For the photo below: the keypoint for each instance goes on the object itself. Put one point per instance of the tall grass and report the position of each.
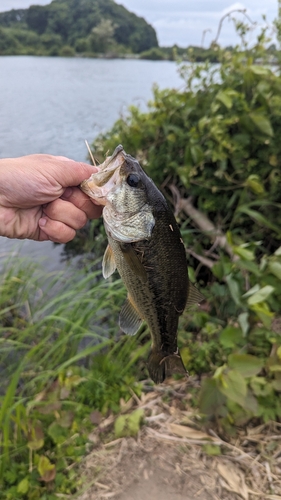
(49, 325)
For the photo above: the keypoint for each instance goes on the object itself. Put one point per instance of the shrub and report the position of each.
(154, 54)
(67, 51)
(215, 147)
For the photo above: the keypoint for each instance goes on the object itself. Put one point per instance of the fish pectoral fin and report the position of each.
(129, 318)
(108, 263)
(194, 296)
(133, 261)
(161, 366)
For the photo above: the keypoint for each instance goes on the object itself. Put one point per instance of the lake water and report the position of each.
(51, 105)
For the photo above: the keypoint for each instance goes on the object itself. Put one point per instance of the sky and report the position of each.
(183, 22)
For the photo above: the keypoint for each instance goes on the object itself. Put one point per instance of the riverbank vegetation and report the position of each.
(91, 28)
(70, 380)
(69, 27)
(62, 370)
(214, 148)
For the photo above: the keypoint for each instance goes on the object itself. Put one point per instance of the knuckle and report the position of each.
(51, 209)
(59, 232)
(82, 220)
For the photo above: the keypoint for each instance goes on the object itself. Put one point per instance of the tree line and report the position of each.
(66, 27)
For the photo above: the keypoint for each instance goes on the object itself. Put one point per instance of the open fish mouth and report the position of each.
(100, 183)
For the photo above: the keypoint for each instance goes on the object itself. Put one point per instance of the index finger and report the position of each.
(82, 201)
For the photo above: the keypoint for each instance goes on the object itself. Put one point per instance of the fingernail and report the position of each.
(42, 222)
(67, 193)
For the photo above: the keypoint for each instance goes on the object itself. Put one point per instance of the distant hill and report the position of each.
(83, 26)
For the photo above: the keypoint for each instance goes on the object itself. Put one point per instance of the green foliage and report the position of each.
(8, 42)
(154, 54)
(59, 361)
(101, 37)
(67, 51)
(88, 26)
(128, 425)
(217, 140)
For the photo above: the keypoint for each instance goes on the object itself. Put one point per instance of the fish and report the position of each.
(146, 247)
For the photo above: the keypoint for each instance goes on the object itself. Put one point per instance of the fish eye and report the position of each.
(133, 180)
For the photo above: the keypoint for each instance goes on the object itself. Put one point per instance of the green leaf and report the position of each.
(35, 436)
(128, 425)
(275, 368)
(234, 289)
(276, 384)
(243, 320)
(212, 449)
(233, 386)
(46, 469)
(248, 266)
(261, 295)
(252, 290)
(197, 154)
(275, 268)
(246, 364)
(211, 400)
(263, 312)
(262, 123)
(254, 183)
(23, 486)
(244, 253)
(261, 386)
(218, 270)
(58, 433)
(259, 70)
(224, 98)
(231, 336)
(259, 218)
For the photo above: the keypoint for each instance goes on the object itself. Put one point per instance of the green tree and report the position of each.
(60, 20)
(37, 18)
(51, 44)
(8, 42)
(101, 37)
(75, 19)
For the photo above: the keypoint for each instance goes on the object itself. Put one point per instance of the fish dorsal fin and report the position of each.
(108, 263)
(194, 296)
(133, 261)
(129, 318)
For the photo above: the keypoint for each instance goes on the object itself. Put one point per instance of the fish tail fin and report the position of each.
(160, 365)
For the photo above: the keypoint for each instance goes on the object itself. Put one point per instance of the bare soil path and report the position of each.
(170, 458)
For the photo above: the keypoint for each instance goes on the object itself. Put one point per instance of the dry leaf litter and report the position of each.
(169, 455)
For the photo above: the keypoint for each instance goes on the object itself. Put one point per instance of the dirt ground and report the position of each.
(168, 459)
(148, 470)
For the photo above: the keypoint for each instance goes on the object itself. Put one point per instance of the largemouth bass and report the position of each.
(145, 245)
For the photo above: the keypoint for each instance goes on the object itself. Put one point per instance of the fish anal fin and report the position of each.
(194, 295)
(108, 263)
(161, 366)
(133, 261)
(129, 318)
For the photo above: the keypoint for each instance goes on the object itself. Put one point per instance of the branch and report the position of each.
(242, 11)
(206, 262)
(201, 220)
(203, 36)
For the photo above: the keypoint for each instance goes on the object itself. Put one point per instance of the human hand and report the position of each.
(39, 199)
